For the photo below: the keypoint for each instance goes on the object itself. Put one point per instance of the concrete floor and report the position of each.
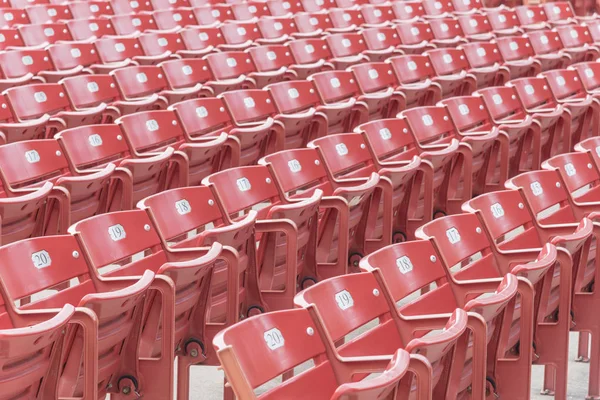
(207, 381)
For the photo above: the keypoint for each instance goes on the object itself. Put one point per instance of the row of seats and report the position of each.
(148, 150)
(314, 211)
(535, 240)
(39, 12)
(270, 29)
(308, 220)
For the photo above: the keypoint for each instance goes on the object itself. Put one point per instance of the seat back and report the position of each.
(90, 9)
(545, 42)
(250, 105)
(229, 64)
(212, 14)
(239, 32)
(276, 27)
(468, 113)
(503, 19)
(202, 117)
(475, 24)
(90, 90)
(93, 145)
(389, 139)
(374, 77)
(438, 8)
(430, 125)
(448, 61)
(17, 63)
(150, 130)
(176, 18)
(250, 10)
(271, 58)
(12, 38)
(157, 44)
(83, 29)
(139, 81)
(482, 54)
(559, 11)
(551, 205)
(186, 72)
(564, 83)
(37, 35)
(446, 28)
(116, 49)
(515, 48)
(531, 14)
(503, 103)
(346, 44)
(313, 22)
(128, 24)
(414, 32)
(408, 10)
(294, 96)
(377, 14)
(35, 100)
(26, 163)
(507, 218)
(412, 68)
(578, 173)
(574, 36)
(41, 13)
(10, 17)
(309, 51)
(335, 86)
(534, 92)
(65, 56)
(201, 38)
(589, 73)
(345, 18)
(381, 38)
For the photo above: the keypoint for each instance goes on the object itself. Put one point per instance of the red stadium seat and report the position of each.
(330, 378)
(532, 17)
(408, 267)
(585, 111)
(512, 208)
(140, 82)
(86, 29)
(300, 111)
(347, 49)
(549, 49)
(507, 112)
(310, 56)
(504, 22)
(74, 281)
(230, 71)
(174, 326)
(578, 43)
(343, 231)
(555, 120)
(415, 37)
(382, 43)
(485, 62)
(452, 70)
(519, 56)
(338, 92)
(416, 77)
(91, 91)
(286, 231)
(398, 179)
(363, 299)
(447, 32)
